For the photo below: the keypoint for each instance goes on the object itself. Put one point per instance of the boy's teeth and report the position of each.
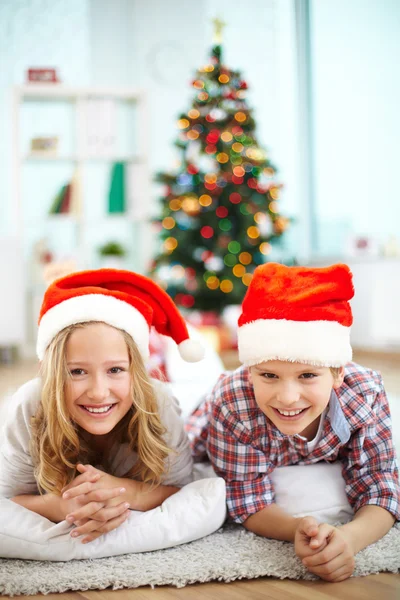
(290, 413)
(99, 410)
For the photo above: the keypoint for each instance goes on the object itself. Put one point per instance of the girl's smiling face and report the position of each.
(98, 391)
(293, 395)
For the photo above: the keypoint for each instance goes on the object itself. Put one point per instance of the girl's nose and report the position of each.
(98, 390)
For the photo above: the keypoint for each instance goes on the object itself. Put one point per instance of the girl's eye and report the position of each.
(269, 375)
(308, 375)
(77, 372)
(115, 370)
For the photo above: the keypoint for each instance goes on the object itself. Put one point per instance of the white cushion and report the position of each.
(197, 510)
(313, 490)
(305, 490)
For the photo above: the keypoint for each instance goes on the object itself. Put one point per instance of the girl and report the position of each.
(94, 436)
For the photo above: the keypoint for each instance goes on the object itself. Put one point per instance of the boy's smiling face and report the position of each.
(293, 395)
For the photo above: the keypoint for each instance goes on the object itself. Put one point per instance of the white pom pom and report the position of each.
(191, 351)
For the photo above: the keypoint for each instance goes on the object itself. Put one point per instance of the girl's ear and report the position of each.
(338, 380)
(250, 376)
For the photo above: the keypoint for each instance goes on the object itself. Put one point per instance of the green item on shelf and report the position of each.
(116, 196)
(55, 207)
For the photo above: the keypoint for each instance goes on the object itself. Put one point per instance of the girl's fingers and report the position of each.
(102, 495)
(87, 476)
(84, 512)
(107, 513)
(106, 527)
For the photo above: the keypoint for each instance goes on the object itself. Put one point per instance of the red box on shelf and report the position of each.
(43, 75)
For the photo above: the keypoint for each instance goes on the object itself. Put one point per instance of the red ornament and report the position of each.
(187, 300)
(237, 180)
(211, 149)
(243, 85)
(192, 170)
(252, 183)
(206, 255)
(236, 130)
(221, 212)
(207, 232)
(235, 198)
(210, 186)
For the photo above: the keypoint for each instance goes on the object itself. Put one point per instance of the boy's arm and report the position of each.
(370, 470)
(369, 525)
(273, 522)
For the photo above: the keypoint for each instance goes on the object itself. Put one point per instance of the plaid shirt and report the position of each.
(244, 446)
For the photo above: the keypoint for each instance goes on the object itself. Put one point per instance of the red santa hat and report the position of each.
(122, 299)
(297, 314)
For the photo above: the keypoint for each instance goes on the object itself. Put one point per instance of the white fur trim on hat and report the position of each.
(191, 350)
(320, 343)
(93, 307)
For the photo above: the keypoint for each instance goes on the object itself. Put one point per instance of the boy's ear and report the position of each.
(338, 379)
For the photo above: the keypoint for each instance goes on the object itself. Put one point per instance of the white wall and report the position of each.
(356, 58)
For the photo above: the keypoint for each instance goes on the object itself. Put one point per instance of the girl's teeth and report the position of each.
(98, 410)
(290, 413)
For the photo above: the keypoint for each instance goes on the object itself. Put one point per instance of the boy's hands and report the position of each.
(324, 550)
(92, 501)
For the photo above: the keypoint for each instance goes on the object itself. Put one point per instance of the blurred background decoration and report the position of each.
(89, 102)
(220, 215)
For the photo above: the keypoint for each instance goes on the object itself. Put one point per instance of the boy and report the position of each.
(298, 400)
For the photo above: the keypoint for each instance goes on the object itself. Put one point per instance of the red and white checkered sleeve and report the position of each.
(244, 468)
(370, 469)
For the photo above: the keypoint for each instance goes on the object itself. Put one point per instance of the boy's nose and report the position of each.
(288, 396)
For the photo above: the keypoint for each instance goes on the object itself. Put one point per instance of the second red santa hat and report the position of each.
(297, 314)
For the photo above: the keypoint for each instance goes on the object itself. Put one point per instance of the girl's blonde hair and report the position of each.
(57, 442)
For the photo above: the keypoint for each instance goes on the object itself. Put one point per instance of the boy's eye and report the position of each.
(308, 375)
(269, 375)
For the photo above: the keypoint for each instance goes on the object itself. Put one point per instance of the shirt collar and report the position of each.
(338, 420)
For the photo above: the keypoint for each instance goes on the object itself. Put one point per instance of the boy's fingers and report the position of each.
(329, 553)
(309, 526)
(319, 540)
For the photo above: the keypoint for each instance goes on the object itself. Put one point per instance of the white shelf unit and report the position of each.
(46, 110)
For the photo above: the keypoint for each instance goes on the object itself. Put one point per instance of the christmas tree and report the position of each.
(220, 214)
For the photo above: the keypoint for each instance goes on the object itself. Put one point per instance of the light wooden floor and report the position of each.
(384, 586)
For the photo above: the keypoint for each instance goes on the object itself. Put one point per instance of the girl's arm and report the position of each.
(16, 465)
(140, 496)
(57, 508)
(49, 506)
